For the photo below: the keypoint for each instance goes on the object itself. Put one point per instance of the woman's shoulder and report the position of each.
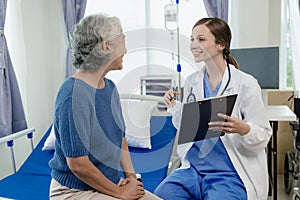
(74, 89)
(64, 95)
(66, 87)
(69, 82)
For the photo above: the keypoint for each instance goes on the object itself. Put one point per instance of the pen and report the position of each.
(175, 89)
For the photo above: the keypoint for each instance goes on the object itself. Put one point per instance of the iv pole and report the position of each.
(178, 53)
(171, 16)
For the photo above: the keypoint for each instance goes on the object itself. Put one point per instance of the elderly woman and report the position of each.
(90, 145)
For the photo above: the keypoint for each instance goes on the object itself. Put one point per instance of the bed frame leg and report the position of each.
(10, 144)
(29, 136)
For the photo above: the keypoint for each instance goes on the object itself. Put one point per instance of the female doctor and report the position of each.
(233, 166)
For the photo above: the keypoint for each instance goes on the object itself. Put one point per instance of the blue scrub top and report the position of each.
(210, 156)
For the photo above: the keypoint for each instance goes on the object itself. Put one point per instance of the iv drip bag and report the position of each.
(171, 18)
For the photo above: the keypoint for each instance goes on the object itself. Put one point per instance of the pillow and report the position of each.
(49, 143)
(137, 115)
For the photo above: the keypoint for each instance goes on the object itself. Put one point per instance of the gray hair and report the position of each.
(87, 40)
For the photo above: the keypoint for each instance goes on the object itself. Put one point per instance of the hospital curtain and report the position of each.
(12, 116)
(294, 17)
(73, 12)
(217, 8)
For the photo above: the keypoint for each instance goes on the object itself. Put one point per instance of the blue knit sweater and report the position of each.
(87, 121)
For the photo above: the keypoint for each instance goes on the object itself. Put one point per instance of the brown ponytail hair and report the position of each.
(221, 31)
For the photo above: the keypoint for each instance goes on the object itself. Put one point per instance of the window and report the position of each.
(290, 44)
(288, 61)
(144, 21)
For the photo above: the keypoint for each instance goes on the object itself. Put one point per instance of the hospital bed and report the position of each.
(32, 180)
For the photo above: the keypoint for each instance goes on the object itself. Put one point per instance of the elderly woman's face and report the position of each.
(119, 50)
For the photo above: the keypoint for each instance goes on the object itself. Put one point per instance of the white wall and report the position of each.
(256, 23)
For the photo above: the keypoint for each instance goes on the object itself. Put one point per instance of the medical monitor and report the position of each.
(260, 62)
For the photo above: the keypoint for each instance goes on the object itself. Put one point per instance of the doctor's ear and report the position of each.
(221, 46)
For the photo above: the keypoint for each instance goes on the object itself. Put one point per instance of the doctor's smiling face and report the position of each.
(203, 44)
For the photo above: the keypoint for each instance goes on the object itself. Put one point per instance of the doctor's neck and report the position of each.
(215, 68)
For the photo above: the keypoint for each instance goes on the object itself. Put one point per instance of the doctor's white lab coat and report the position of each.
(247, 152)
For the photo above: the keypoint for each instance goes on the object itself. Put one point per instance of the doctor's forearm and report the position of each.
(257, 139)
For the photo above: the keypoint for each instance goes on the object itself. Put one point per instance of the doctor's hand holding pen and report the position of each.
(170, 97)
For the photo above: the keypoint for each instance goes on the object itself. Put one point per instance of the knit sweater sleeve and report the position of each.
(73, 127)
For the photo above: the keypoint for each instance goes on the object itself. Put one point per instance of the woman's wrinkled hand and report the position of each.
(131, 189)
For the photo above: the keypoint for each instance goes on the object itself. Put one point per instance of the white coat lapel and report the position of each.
(198, 84)
(225, 79)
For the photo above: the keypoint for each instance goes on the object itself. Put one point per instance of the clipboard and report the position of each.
(196, 116)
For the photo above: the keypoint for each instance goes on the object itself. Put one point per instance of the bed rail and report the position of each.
(142, 97)
(9, 140)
